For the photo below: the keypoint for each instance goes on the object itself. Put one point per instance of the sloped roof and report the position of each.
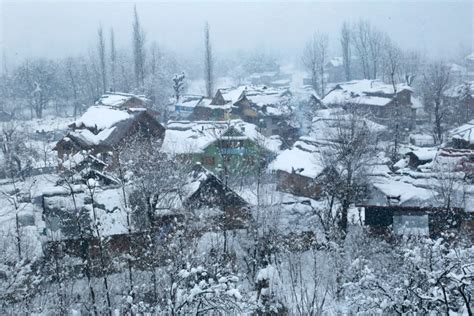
(371, 92)
(104, 126)
(464, 132)
(184, 137)
(188, 100)
(325, 124)
(303, 158)
(198, 179)
(406, 194)
(117, 99)
(458, 90)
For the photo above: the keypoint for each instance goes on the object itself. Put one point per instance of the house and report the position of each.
(103, 130)
(299, 169)
(215, 109)
(268, 78)
(184, 107)
(269, 108)
(231, 146)
(460, 99)
(124, 100)
(375, 98)
(421, 139)
(408, 209)
(206, 201)
(462, 137)
(335, 69)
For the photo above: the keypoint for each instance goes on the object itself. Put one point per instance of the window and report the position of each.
(207, 160)
(250, 160)
(410, 224)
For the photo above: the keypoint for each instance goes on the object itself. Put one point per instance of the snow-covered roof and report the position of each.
(267, 100)
(177, 198)
(189, 100)
(184, 137)
(424, 154)
(371, 92)
(406, 194)
(336, 61)
(303, 158)
(100, 118)
(117, 99)
(464, 132)
(102, 125)
(326, 122)
(460, 90)
(264, 74)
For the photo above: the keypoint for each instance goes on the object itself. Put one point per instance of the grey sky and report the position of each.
(61, 28)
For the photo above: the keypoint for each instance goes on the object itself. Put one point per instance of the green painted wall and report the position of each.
(239, 161)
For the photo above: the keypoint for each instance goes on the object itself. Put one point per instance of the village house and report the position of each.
(184, 107)
(203, 203)
(335, 69)
(103, 130)
(269, 108)
(460, 99)
(376, 98)
(124, 100)
(269, 78)
(462, 137)
(231, 146)
(301, 170)
(206, 201)
(215, 109)
(408, 209)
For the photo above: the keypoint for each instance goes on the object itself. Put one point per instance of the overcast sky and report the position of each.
(60, 28)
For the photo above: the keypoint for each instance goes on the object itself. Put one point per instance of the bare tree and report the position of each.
(368, 42)
(436, 80)
(72, 74)
(346, 49)
(314, 59)
(376, 41)
(392, 63)
(352, 144)
(178, 85)
(139, 53)
(101, 51)
(410, 67)
(92, 186)
(36, 80)
(361, 44)
(208, 62)
(113, 60)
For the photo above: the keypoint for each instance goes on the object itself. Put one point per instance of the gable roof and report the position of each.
(303, 158)
(201, 188)
(218, 99)
(105, 126)
(185, 137)
(118, 99)
(370, 92)
(464, 132)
